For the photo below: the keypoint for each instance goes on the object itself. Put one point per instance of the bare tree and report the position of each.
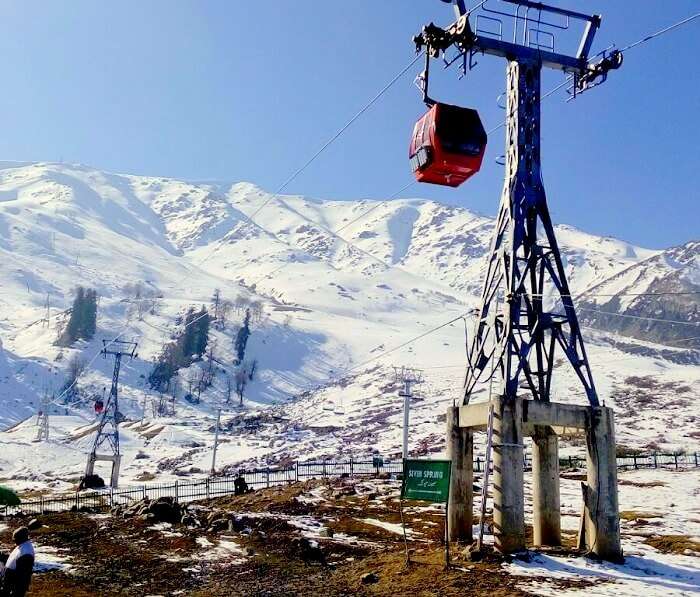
(241, 380)
(256, 311)
(228, 388)
(224, 311)
(76, 366)
(241, 304)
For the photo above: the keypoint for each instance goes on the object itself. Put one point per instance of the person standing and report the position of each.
(19, 565)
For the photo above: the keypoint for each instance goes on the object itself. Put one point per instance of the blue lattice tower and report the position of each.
(106, 444)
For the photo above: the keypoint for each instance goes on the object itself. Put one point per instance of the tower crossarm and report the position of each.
(465, 35)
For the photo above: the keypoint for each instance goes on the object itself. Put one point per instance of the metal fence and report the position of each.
(189, 490)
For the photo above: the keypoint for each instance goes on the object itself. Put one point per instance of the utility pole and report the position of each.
(216, 441)
(47, 320)
(108, 429)
(406, 377)
(42, 434)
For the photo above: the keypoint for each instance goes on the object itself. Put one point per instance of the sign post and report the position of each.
(428, 481)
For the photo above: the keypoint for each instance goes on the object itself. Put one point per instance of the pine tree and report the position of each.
(187, 340)
(242, 337)
(83, 317)
(202, 331)
(88, 323)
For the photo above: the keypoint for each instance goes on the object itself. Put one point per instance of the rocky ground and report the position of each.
(340, 537)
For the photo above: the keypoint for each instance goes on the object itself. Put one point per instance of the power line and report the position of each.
(384, 353)
(672, 321)
(376, 206)
(585, 294)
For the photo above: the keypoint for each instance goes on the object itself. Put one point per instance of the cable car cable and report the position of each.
(345, 127)
(660, 32)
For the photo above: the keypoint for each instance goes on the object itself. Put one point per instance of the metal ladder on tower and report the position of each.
(485, 480)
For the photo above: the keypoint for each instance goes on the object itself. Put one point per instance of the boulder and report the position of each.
(369, 578)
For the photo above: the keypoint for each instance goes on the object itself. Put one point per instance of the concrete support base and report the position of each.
(514, 417)
(460, 449)
(116, 464)
(545, 487)
(508, 465)
(602, 510)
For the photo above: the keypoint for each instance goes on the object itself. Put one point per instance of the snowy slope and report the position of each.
(332, 302)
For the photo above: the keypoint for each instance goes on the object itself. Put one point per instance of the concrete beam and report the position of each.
(460, 450)
(534, 412)
(474, 416)
(529, 430)
(554, 414)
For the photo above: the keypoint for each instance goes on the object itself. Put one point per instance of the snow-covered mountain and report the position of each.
(667, 312)
(341, 282)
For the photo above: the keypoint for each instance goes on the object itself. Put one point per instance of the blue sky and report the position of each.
(248, 90)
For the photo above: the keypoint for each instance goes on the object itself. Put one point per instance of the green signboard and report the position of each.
(427, 480)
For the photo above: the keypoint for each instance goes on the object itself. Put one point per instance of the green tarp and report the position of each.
(8, 497)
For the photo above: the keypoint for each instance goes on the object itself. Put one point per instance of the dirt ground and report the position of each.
(313, 538)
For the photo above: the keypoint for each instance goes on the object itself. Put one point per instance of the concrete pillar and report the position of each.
(602, 511)
(545, 487)
(508, 494)
(116, 464)
(460, 449)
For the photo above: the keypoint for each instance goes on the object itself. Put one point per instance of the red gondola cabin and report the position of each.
(448, 145)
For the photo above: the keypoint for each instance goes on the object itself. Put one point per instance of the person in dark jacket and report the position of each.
(239, 485)
(19, 566)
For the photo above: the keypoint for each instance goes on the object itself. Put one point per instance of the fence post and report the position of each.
(177, 496)
(207, 485)
(324, 469)
(675, 458)
(696, 458)
(296, 471)
(634, 459)
(267, 476)
(352, 470)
